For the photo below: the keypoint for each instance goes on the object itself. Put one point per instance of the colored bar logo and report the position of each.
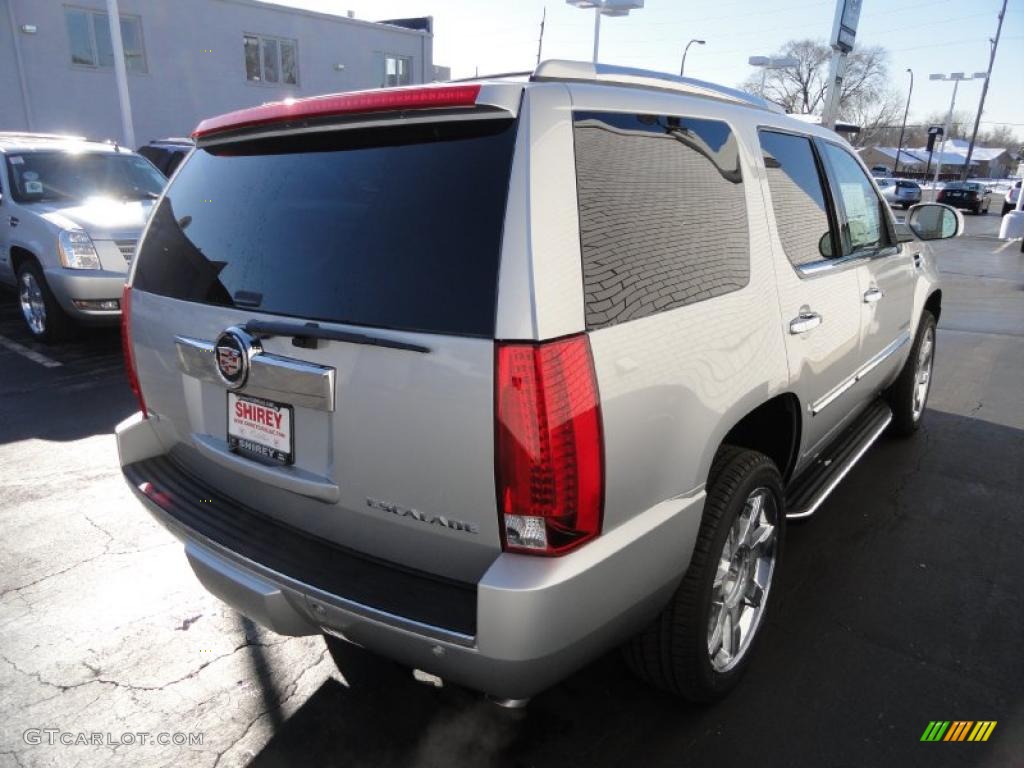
(958, 730)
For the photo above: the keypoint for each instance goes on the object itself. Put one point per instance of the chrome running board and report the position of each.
(808, 491)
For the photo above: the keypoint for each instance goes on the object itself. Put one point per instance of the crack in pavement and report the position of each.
(266, 711)
(62, 688)
(106, 551)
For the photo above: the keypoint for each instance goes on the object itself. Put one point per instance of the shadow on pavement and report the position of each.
(898, 603)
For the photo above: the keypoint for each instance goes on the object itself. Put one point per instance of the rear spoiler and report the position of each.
(296, 113)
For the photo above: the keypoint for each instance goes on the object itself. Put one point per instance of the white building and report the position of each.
(189, 59)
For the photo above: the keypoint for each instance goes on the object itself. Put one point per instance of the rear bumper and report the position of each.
(534, 620)
(69, 285)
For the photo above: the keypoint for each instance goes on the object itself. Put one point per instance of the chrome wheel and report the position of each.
(739, 592)
(923, 373)
(30, 294)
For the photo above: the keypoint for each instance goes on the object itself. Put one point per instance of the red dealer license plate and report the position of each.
(260, 428)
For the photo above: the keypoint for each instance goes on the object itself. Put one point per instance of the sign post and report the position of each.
(844, 33)
(933, 133)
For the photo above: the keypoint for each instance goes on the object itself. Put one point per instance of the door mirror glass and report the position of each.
(934, 221)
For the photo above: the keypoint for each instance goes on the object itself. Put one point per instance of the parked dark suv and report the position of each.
(167, 154)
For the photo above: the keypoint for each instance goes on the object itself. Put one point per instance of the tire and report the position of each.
(673, 652)
(1006, 208)
(42, 313)
(904, 395)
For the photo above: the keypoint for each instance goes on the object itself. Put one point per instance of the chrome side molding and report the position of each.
(274, 377)
(819, 405)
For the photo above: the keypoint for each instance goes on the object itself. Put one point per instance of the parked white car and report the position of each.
(902, 192)
(1010, 200)
(491, 377)
(71, 213)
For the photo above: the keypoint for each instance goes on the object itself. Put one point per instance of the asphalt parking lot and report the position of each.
(900, 601)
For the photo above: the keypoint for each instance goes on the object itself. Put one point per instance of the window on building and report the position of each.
(662, 213)
(801, 213)
(397, 70)
(270, 60)
(89, 35)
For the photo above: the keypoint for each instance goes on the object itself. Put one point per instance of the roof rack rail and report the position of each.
(35, 135)
(561, 69)
(496, 76)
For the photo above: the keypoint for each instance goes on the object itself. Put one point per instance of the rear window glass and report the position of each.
(662, 212)
(396, 228)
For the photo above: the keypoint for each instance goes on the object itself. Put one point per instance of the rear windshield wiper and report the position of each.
(305, 335)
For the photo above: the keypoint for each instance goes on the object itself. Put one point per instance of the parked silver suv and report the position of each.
(71, 212)
(490, 377)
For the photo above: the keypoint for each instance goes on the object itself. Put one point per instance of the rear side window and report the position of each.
(395, 228)
(663, 218)
(798, 197)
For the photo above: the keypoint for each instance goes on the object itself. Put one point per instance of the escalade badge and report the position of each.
(415, 514)
(232, 351)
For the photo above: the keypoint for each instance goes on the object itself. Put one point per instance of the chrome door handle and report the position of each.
(871, 295)
(804, 322)
(918, 260)
(13, 221)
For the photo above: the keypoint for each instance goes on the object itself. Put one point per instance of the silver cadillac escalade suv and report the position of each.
(490, 377)
(71, 211)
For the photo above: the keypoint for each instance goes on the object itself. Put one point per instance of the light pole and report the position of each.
(994, 45)
(767, 62)
(956, 77)
(682, 66)
(605, 8)
(899, 147)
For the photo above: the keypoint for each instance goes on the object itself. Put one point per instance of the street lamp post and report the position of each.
(957, 78)
(605, 8)
(899, 146)
(682, 65)
(767, 62)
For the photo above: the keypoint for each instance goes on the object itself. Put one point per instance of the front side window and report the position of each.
(89, 37)
(397, 71)
(270, 60)
(798, 197)
(662, 213)
(864, 228)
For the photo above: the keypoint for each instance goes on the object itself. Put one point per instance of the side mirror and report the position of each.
(935, 221)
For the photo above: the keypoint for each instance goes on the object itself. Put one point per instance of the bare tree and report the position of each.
(866, 98)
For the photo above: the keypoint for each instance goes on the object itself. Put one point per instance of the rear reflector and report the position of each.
(549, 446)
(389, 100)
(126, 347)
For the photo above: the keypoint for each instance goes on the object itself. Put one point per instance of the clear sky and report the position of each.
(927, 35)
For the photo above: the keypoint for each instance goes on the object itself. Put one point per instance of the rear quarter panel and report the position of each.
(674, 383)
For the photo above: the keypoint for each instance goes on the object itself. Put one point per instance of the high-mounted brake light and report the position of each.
(388, 100)
(126, 348)
(549, 446)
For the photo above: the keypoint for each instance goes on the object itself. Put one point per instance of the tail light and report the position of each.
(126, 347)
(549, 446)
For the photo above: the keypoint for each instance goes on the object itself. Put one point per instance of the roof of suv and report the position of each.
(31, 142)
(455, 95)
